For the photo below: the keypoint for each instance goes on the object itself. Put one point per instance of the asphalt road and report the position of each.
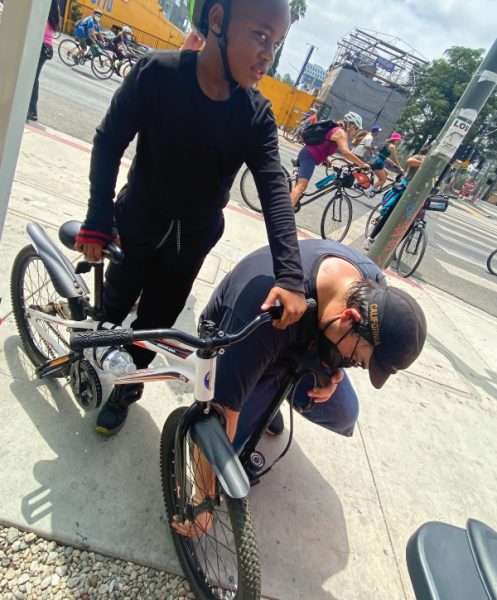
(73, 101)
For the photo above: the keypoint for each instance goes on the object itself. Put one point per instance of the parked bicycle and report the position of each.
(492, 263)
(294, 134)
(337, 214)
(60, 329)
(410, 252)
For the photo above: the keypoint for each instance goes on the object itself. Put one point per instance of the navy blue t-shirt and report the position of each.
(238, 299)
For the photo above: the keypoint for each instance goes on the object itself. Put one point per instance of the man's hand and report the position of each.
(326, 386)
(294, 305)
(193, 41)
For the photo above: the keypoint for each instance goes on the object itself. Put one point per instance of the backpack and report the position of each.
(315, 133)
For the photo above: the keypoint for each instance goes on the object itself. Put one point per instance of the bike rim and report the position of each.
(411, 253)
(213, 556)
(336, 219)
(38, 292)
(492, 263)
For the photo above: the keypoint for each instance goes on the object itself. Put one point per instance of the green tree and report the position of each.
(435, 91)
(287, 79)
(298, 9)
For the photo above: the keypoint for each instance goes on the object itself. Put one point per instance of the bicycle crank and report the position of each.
(85, 384)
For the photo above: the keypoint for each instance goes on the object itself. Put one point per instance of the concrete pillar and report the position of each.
(21, 35)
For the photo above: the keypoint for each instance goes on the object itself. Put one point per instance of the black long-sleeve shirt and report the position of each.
(189, 151)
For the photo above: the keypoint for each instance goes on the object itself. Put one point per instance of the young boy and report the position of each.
(169, 214)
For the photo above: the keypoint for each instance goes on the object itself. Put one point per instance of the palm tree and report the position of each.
(297, 11)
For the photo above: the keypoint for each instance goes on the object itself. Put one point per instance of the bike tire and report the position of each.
(31, 282)
(411, 251)
(126, 67)
(336, 218)
(238, 549)
(249, 192)
(373, 218)
(102, 65)
(492, 263)
(66, 51)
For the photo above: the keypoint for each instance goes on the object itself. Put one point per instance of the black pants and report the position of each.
(33, 103)
(161, 265)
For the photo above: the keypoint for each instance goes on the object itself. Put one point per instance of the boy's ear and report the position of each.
(351, 314)
(216, 15)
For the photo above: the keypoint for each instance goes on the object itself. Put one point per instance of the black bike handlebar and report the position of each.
(119, 337)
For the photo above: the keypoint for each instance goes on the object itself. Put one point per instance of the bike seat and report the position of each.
(295, 162)
(70, 229)
(451, 563)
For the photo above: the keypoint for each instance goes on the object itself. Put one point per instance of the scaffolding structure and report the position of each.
(378, 56)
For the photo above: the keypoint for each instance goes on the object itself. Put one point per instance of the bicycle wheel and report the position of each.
(126, 67)
(249, 192)
(411, 251)
(374, 217)
(102, 65)
(336, 219)
(492, 263)
(31, 286)
(224, 562)
(67, 49)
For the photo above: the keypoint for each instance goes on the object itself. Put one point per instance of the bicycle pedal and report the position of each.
(56, 367)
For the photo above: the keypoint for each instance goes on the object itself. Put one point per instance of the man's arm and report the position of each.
(340, 138)
(264, 162)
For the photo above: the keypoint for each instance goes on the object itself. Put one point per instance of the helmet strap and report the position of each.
(222, 42)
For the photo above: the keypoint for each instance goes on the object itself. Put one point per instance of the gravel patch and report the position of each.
(33, 568)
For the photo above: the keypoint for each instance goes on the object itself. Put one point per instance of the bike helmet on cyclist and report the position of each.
(126, 30)
(354, 119)
(97, 13)
(198, 12)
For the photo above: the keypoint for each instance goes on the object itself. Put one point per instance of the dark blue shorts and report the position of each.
(377, 165)
(307, 164)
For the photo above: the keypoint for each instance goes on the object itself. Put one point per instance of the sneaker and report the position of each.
(277, 425)
(32, 117)
(368, 242)
(370, 192)
(114, 412)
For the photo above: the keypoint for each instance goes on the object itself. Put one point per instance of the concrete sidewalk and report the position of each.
(334, 517)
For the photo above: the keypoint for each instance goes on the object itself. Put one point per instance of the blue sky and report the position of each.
(428, 26)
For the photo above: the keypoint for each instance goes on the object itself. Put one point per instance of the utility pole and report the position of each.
(21, 34)
(445, 146)
(306, 62)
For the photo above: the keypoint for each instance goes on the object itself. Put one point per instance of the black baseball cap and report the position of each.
(398, 332)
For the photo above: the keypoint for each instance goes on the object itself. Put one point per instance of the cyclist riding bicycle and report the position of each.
(360, 322)
(87, 32)
(169, 215)
(119, 44)
(336, 139)
(310, 117)
(387, 154)
(393, 195)
(365, 146)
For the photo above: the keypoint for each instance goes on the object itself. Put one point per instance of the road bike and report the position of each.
(294, 134)
(410, 252)
(337, 214)
(69, 48)
(492, 263)
(105, 65)
(60, 328)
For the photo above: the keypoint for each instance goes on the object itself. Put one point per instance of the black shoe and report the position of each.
(32, 117)
(277, 425)
(114, 412)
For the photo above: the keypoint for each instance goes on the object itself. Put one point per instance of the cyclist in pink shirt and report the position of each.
(336, 139)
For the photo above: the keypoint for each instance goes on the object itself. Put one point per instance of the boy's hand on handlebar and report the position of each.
(294, 305)
(91, 252)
